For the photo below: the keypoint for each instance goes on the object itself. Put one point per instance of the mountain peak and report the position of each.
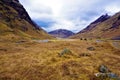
(104, 27)
(96, 22)
(61, 33)
(101, 18)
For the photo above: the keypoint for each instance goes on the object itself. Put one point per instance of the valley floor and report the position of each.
(42, 60)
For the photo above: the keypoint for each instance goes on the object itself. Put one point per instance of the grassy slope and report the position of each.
(103, 30)
(21, 28)
(40, 61)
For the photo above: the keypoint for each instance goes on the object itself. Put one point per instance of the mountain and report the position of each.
(61, 33)
(15, 23)
(95, 23)
(104, 27)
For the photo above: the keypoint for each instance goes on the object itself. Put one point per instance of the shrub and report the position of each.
(84, 55)
(64, 52)
(85, 39)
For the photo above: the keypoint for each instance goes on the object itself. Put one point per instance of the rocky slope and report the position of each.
(61, 33)
(104, 27)
(15, 22)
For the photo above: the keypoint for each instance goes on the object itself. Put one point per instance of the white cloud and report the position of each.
(112, 10)
(73, 15)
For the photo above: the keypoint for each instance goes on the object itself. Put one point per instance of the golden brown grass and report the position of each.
(14, 25)
(40, 61)
(107, 29)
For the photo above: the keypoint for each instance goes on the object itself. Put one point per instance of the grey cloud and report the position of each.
(69, 14)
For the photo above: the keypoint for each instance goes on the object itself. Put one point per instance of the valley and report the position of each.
(28, 52)
(32, 60)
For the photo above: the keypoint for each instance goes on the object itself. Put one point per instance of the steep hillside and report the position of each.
(15, 22)
(61, 33)
(104, 27)
(95, 23)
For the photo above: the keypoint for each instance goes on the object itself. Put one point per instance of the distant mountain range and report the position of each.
(104, 27)
(15, 23)
(61, 33)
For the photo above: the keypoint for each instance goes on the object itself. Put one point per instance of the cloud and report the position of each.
(73, 15)
(112, 8)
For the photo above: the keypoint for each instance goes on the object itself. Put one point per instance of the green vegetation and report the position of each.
(65, 52)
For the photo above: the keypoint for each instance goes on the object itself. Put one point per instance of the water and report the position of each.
(42, 41)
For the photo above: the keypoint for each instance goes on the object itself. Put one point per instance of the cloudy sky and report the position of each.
(73, 15)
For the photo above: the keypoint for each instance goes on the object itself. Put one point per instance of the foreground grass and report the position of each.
(41, 61)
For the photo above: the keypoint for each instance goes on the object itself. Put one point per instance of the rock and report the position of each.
(103, 69)
(105, 76)
(91, 48)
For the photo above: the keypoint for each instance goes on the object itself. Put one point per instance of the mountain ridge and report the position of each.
(95, 23)
(15, 22)
(107, 29)
(61, 33)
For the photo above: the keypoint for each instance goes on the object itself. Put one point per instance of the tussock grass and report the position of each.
(40, 61)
